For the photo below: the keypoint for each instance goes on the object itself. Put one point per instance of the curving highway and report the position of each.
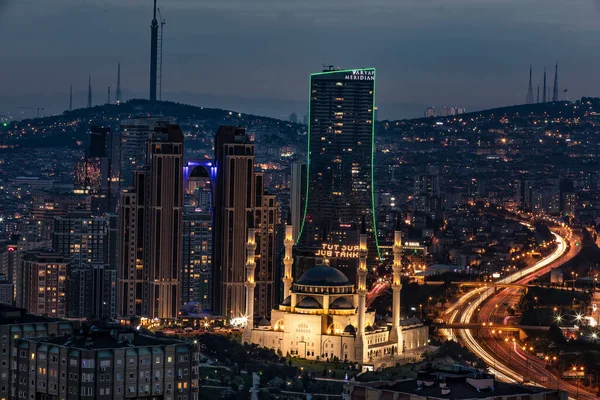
(504, 357)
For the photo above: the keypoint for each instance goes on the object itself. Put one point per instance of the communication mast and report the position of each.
(160, 53)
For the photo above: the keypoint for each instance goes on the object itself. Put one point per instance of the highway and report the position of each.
(505, 358)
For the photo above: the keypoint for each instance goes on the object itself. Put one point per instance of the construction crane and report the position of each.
(37, 109)
(160, 53)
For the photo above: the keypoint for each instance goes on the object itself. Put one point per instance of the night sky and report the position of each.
(256, 55)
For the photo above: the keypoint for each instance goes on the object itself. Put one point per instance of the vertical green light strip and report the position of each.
(307, 160)
(373, 166)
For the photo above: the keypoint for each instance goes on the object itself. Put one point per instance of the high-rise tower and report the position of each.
(151, 231)
(241, 202)
(153, 54)
(233, 203)
(89, 102)
(529, 99)
(118, 92)
(555, 91)
(339, 171)
(544, 94)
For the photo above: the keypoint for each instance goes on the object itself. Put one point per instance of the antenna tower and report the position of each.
(529, 99)
(118, 93)
(108, 95)
(544, 96)
(89, 103)
(160, 54)
(555, 92)
(153, 54)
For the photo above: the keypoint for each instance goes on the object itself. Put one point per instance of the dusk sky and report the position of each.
(256, 55)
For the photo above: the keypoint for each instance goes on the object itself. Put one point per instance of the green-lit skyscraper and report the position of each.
(340, 170)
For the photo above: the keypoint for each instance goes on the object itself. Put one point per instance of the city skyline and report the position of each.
(404, 41)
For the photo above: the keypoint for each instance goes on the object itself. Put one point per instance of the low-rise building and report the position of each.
(16, 324)
(111, 362)
(449, 385)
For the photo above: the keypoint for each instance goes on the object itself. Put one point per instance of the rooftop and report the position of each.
(10, 315)
(462, 386)
(111, 336)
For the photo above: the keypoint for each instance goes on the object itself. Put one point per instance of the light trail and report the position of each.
(476, 297)
(525, 361)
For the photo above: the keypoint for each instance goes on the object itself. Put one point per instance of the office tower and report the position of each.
(445, 112)
(233, 208)
(106, 362)
(135, 134)
(430, 112)
(266, 218)
(90, 242)
(150, 230)
(297, 196)
(42, 283)
(94, 172)
(241, 201)
(340, 166)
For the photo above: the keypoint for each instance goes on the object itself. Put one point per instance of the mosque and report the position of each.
(324, 315)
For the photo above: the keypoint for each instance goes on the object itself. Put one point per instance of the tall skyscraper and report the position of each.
(240, 202)
(340, 170)
(233, 208)
(42, 283)
(135, 134)
(94, 173)
(150, 230)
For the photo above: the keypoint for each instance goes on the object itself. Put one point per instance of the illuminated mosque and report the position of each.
(324, 315)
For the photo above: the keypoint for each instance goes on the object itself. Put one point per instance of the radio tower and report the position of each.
(108, 95)
(118, 93)
(544, 97)
(555, 92)
(71, 98)
(153, 55)
(89, 103)
(529, 99)
(160, 54)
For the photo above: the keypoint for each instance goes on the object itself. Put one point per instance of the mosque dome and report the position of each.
(323, 275)
(350, 329)
(309, 302)
(287, 301)
(341, 303)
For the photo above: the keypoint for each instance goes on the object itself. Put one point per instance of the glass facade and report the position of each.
(340, 165)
